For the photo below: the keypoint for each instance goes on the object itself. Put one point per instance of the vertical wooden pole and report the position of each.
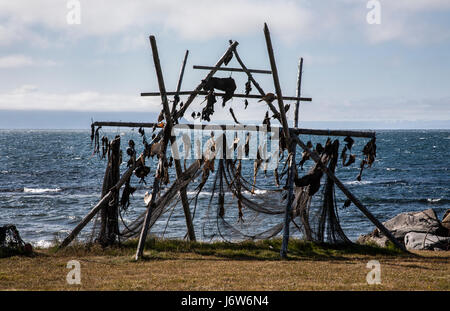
(148, 215)
(113, 208)
(167, 136)
(180, 80)
(291, 146)
(169, 125)
(299, 88)
(109, 213)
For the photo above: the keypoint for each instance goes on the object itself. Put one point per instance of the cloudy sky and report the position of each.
(395, 71)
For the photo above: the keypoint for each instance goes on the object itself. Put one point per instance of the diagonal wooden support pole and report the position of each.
(256, 84)
(349, 195)
(209, 75)
(103, 202)
(291, 147)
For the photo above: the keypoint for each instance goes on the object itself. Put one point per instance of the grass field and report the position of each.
(178, 265)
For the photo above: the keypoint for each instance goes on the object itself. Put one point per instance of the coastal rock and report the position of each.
(424, 241)
(423, 222)
(373, 238)
(446, 220)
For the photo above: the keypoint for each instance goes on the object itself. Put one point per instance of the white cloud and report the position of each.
(409, 22)
(18, 60)
(29, 97)
(37, 21)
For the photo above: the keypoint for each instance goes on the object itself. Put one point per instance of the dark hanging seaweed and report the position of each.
(248, 86)
(370, 152)
(234, 117)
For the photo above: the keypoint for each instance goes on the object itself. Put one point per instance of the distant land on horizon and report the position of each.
(41, 119)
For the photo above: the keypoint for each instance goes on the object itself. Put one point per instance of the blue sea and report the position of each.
(50, 179)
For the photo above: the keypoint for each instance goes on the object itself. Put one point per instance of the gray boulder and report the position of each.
(424, 241)
(423, 222)
(446, 220)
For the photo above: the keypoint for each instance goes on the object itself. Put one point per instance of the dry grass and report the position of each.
(176, 265)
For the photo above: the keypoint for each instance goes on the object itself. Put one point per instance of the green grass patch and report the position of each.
(156, 248)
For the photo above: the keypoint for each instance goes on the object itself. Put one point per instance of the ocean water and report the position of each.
(50, 179)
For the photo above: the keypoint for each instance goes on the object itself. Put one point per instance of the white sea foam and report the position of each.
(40, 190)
(434, 200)
(355, 182)
(257, 191)
(42, 244)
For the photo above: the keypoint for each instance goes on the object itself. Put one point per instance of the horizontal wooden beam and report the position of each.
(249, 128)
(305, 99)
(300, 131)
(234, 69)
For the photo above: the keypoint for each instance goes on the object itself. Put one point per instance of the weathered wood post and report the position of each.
(299, 88)
(167, 136)
(180, 80)
(289, 143)
(110, 213)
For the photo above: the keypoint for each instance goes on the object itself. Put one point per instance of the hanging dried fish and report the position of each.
(97, 140)
(92, 132)
(234, 117)
(319, 149)
(268, 98)
(248, 86)
(305, 155)
(127, 191)
(312, 180)
(266, 121)
(344, 155)
(351, 160)
(209, 109)
(227, 85)
(349, 142)
(238, 185)
(105, 146)
(141, 172)
(161, 116)
(165, 175)
(131, 152)
(361, 166)
(347, 203)
(370, 152)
